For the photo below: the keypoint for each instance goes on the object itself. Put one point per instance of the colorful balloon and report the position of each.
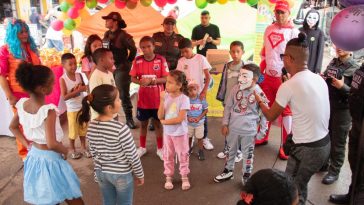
(102, 1)
(131, 4)
(57, 25)
(252, 2)
(201, 4)
(120, 4)
(222, 1)
(91, 4)
(171, 1)
(160, 3)
(66, 32)
(78, 21)
(146, 3)
(73, 13)
(79, 4)
(347, 30)
(273, 1)
(69, 24)
(242, 1)
(64, 6)
(71, 2)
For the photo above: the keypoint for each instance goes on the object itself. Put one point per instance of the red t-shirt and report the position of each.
(149, 96)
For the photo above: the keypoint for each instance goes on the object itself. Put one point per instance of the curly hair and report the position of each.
(14, 27)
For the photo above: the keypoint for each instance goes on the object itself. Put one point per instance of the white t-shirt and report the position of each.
(99, 78)
(307, 95)
(194, 68)
(73, 104)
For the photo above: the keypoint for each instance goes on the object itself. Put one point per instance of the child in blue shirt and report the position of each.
(196, 117)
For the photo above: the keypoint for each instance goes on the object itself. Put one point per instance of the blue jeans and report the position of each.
(117, 189)
(57, 44)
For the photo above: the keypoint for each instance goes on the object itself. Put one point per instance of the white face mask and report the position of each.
(312, 19)
(245, 78)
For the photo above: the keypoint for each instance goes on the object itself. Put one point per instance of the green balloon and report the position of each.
(69, 24)
(146, 3)
(252, 2)
(211, 1)
(91, 4)
(201, 4)
(64, 6)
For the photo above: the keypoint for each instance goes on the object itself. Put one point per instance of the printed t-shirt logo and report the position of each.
(275, 39)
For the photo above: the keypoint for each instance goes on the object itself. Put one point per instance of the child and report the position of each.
(240, 122)
(149, 71)
(93, 42)
(196, 117)
(104, 61)
(48, 177)
(72, 88)
(173, 116)
(112, 146)
(229, 79)
(196, 68)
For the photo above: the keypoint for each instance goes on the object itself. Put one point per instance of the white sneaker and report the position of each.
(221, 155)
(141, 151)
(160, 153)
(207, 144)
(239, 156)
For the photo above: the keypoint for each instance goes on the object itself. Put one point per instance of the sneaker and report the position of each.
(224, 176)
(201, 155)
(282, 155)
(141, 151)
(221, 155)
(239, 156)
(207, 144)
(160, 153)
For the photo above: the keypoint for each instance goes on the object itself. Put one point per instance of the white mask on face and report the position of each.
(312, 19)
(245, 78)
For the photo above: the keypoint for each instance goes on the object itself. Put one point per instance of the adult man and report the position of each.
(307, 95)
(123, 48)
(276, 37)
(166, 42)
(206, 35)
(356, 142)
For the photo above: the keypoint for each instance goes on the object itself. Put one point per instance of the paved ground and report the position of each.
(204, 190)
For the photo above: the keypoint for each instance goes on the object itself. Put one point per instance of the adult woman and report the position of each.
(19, 46)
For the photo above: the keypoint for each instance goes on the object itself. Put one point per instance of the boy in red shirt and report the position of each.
(149, 71)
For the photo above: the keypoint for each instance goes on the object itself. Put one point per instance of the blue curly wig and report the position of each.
(11, 38)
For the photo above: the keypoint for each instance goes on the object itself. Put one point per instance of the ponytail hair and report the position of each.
(100, 97)
(181, 78)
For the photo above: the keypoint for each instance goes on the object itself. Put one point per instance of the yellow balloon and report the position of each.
(66, 32)
(84, 13)
(77, 21)
(222, 1)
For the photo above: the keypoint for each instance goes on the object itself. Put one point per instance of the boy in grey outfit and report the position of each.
(242, 117)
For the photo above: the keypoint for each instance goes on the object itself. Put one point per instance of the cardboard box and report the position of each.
(217, 59)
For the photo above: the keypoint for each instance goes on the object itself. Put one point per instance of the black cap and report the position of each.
(169, 19)
(116, 17)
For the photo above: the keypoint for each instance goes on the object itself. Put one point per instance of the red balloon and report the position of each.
(102, 1)
(120, 4)
(57, 25)
(171, 1)
(160, 3)
(242, 1)
(131, 5)
(73, 13)
(79, 4)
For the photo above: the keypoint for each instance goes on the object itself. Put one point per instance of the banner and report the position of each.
(215, 107)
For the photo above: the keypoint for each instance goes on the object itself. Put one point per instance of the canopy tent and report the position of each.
(235, 20)
(140, 21)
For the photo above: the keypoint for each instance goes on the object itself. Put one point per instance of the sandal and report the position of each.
(185, 184)
(168, 185)
(76, 155)
(87, 154)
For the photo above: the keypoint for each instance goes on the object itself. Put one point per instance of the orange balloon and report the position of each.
(70, 1)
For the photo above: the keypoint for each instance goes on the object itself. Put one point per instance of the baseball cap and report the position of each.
(282, 6)
(116, 17)
(169, 19)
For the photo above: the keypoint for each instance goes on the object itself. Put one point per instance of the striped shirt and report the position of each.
(113, 149)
